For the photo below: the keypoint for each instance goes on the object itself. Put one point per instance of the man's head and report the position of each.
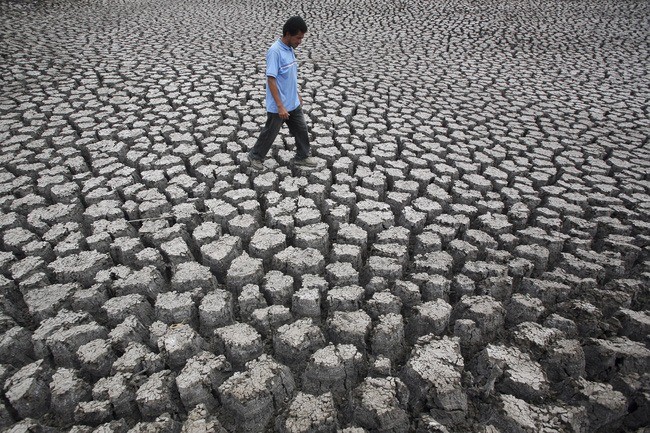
(294, 31)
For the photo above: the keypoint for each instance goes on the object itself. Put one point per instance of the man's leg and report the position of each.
(298, 128)
(267, 135)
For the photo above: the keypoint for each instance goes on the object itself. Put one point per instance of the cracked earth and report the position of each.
(470, 254)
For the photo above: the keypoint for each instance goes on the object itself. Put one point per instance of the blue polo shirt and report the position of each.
(281, 64)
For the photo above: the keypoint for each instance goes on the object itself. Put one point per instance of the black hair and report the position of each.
(294, 25)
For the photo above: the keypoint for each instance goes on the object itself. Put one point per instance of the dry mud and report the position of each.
(470, 255)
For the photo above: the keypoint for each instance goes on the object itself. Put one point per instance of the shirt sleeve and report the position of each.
(272, 63)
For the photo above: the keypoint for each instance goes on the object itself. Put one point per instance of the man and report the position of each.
(283, 103)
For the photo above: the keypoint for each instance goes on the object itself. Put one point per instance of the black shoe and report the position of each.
(306, 162)
(256, 164)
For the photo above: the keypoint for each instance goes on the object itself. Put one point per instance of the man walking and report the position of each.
(283, 103)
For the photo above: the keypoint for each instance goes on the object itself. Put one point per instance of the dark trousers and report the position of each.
(297, 128)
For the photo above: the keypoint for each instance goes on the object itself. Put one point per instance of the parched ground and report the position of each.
(470, 255)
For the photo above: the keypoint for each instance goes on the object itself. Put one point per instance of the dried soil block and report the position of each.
(341, 274)
(130, 330)
(347, 253)
(551, 240)
(394, 250)
(67, 390)
(253, 397)
(265, 243)
(427, 241)
(408, 292)
(150, 257)
(379, 404)
(124, 250)
(16, 347)
(352, 234)
(432, 287)
(523, 308)
(173, 307)
(383, 303)
(434, 263)
(147, 281)
(240, 343)
(216, 310)
(249, 300)
(158, 395)
(200, 379)
(606, 357)
(80, 267)
(499, 287)
(118, 389)
(267, 319)
(511, 371)
(206, 233)
(433, 374)
(309, 413)
(138, 358)
(119, 308)
(95, 358)
(347, 298)
(294, 343)
(605, 406)
(45, 302)
(63, 320)
(219, 255)
(95, 413)
(180, 343)
(536, 254)
(64, 343)
(587, 317)
(243, 226)
(306, 303)
(191, 275)
(349, 327)
(387, 337)
(565, 325)
(297, 262)
(105, 209)
(277, 288)
(462, 252)
(335, 369)
(636, 324)
(28, 391)
(389, 268)
(314, 236)
(550, 292)
(162, 423)
(488, 314)
(374, 217)
(220, 211)
(515, 414)
(429, 318)
(565, 358)
(200, 420)
(242, 271)
(412, 219)
(21, 270)
(15, 239)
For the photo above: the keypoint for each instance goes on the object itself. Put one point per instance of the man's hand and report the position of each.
(283, 113)
(273, 87)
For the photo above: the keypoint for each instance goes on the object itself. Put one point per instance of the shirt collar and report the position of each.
(284, 46)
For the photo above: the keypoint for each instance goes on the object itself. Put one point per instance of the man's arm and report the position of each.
(273, 87)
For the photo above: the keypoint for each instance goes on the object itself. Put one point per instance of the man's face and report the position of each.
(294, 40)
